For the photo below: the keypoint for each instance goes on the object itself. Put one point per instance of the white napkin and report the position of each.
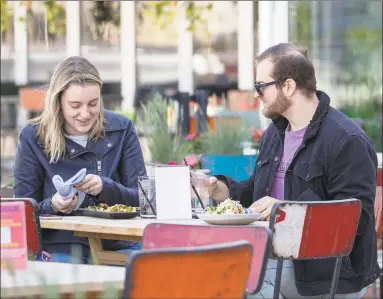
(66, 189)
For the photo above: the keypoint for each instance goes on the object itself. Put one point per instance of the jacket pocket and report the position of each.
(308, 172)
(262, 173)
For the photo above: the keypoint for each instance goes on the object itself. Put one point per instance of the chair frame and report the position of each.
(338, 263)
(181, 250)
(254, 229)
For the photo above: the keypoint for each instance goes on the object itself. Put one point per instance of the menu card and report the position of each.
(14, 252)
(173, 197)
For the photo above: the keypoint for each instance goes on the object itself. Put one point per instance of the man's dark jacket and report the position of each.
(335, 161)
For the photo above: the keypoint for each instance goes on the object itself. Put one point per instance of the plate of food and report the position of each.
(102, 210)
(229, 212)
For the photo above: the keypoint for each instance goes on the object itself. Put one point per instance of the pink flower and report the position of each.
(192, 160)
(191, 136)
(257, 134)
(172, 163)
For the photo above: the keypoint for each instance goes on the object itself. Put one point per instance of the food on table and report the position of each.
(227, 207)
(103, 207)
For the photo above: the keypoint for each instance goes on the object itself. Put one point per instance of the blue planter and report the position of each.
(237, 167)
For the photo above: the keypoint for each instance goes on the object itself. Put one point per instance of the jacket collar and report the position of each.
(101, 146)
(281, 123)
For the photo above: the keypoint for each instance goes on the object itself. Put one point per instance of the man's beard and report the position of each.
(276, 108)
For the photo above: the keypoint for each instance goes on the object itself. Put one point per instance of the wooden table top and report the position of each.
(127, 227)
(64, 278)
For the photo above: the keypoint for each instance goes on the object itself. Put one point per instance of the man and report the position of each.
(309, 146)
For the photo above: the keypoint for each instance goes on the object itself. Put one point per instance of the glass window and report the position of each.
(100, 27)
(6, 29)
(215, 45)
(345, 42)
(46, 26)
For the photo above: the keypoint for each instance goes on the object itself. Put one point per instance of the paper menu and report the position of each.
(173, 197)
(14, 251)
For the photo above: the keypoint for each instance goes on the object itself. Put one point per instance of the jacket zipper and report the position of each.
(99, 167)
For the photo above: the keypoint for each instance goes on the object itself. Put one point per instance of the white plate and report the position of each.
(236, 219)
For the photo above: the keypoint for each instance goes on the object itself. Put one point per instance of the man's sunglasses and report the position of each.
(259, 87)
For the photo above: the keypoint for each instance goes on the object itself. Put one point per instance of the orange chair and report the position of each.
(310, 237)
(164, 235)
(217, 271)
(34, 237)
(379, 233)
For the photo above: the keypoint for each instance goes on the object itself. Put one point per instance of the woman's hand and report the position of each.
(63, 205)
(91, 184)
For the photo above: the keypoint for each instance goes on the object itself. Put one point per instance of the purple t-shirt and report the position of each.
(292, 141)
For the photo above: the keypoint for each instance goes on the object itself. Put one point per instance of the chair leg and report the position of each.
(373, 290)
(335, 277)
(278, 277)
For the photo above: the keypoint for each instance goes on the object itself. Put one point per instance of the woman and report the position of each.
(75, 132)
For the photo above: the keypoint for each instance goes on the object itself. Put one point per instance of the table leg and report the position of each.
(95, 248)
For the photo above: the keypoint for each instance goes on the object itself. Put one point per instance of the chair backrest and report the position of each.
(216, 271)
(308, 230)
(161, 235)
(378, 211)
(34, 237)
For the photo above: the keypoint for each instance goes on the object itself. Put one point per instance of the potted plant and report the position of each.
(223, 151)
(165, 146)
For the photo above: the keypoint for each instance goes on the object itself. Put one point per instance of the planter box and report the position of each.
(237, 167)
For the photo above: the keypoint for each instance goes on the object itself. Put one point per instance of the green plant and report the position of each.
(370, 112)
(227, 139)
(164, 145)
(127, 114)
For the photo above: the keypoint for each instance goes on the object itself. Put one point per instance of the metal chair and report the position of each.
(379, 234)
(218, 271)
(309, 235)
(34, 236)
(161, 235)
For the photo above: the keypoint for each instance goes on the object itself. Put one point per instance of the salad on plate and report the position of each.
(227, 207)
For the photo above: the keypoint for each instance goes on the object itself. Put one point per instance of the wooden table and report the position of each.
(96, 229)
(65, 279)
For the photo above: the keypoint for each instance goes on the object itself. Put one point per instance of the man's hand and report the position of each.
(62, 205)
(91, 184)
(264, 206)
(216, 189)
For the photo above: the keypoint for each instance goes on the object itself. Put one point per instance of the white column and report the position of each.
(245, 45)
(280, 16)
(73, 28)
(265, 40)
(20, 66)
(128, 54)
(265, 25)
(185, 54)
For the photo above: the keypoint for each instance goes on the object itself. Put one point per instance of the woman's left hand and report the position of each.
(91, 184)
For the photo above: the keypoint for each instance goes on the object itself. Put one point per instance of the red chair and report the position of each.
(34, 237)
(218, 271)
(379, 234)
(161, 235)
(311, 234)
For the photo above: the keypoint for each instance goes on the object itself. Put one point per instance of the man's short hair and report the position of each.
(291, 62)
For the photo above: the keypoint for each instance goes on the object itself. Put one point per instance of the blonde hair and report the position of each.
(50, 131)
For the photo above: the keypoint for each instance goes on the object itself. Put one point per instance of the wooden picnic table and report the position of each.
(96, 229)
(65, 279)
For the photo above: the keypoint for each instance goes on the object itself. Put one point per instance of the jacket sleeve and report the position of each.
(29, 174)
(131, 166)
(352, 174)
